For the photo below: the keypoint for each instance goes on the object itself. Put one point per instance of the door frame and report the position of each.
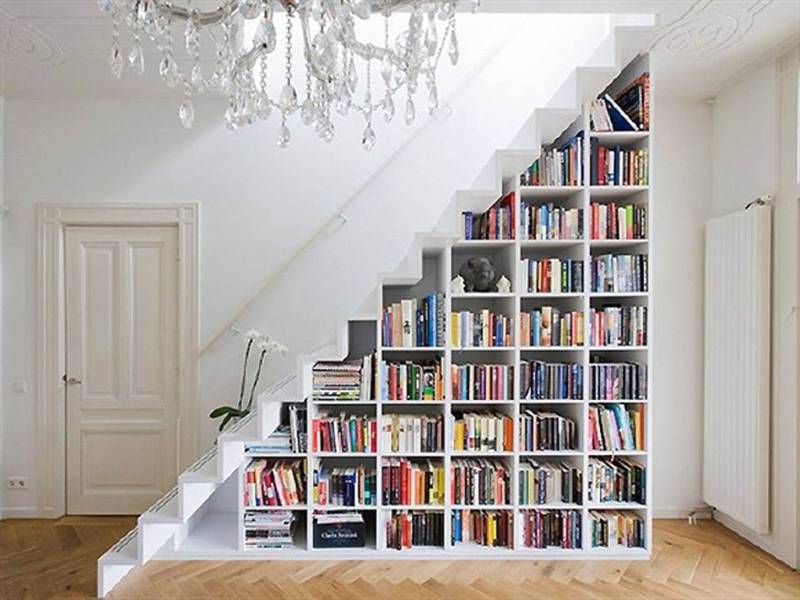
(51, 223)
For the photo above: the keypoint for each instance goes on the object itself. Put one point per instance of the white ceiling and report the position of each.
(59, 48)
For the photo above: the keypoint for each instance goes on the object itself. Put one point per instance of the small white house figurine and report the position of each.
(503, 285)
(457, 285)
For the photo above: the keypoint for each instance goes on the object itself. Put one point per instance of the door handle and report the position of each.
(72, 381)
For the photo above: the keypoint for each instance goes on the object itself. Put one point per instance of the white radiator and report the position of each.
(737, 366)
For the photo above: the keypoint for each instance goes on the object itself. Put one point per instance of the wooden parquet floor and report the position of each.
(56, 559)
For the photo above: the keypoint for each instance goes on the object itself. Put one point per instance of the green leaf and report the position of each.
(227, 418)
(222, 410)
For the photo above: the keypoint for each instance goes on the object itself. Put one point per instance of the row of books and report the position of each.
(618, 166)
(616, 427)
(491, 528)
(634, 100)
(549, 326)
(406, 482)
(482, 329)
(286, 438)
(613, 529)
(618, 381)
(551, 529)
(553, 275)
(618, 221)
(479, 482)
(413, 323)
(279, 483)
(412, 381)
(619, 273)
(497, 223)
(546, 483)
(551, 381)
(482, 382)
(412, 433)
(342, 380)
(551, 222)
(616, 481)
(619, 326)
(268, 530)
(557, 166)
(344, 433)
(483, 432)
(546, 431)
(409, 529)
(351, 486)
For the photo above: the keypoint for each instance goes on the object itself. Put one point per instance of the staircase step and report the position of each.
(116, 562)
(164, 511)
(204, 470)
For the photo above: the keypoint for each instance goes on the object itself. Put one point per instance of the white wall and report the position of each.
(753, 142)
(2, 382)
(682, 193)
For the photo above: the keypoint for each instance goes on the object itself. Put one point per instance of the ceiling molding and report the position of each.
(24, 44)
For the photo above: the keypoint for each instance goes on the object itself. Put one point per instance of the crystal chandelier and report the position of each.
(331, 51)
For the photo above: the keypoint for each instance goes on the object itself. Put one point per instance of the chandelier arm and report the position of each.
(202, 17)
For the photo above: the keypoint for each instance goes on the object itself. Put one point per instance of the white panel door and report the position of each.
(121, 338)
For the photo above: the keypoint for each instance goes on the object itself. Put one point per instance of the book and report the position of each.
(405, 482)
(616, 480)
(483, 432)
(412, 433)
(412, 381)
(491, 528)
(558, 166)
(408, 529)
(551, 222)
(497, 223)
(620, 120)
(551, 381)
(551, 529)
(334, 381)
(339, 530)
(634, 100)
(619, 273)
(414, 323)
(599, 119)
(549, 326)
(615, 529)
(264, 530)
(616, 427)
(344, 433)
(482, 382)
(543, 431)
(480, 329)
(350, 486)
(475, 482)
(553, 275)
(288, 437)
(615, 166)
(614, 221)
(549, 483)
(618, 326)
(618, 381)
(274, 483)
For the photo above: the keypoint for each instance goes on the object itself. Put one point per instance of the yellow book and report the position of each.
(455, 334)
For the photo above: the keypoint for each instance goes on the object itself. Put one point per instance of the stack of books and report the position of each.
(551, 529)
(612, 529)
(553, 275)
(618, 381)
(268, 530)
(352, 486)
(483, 432)
(497, 223)
(551, 222)
(551, 381)
(281, 483)
(406, 434)
(482, 382)
(345, 433)
(408, 529)
(412, 381)
(480, 330)
(549, 326)
(619, 273)
(545, 483)
(339, 530)
(558, 166)
(619, 326)
(618, 166)
(616, 427)
(616, 481)
(412, 483)
(414, 323)
(285, 439)
(345, 380)
(540, 431)
(492, 528)
(618, 221)
(479, 482)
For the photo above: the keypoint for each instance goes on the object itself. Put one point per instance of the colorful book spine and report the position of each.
(274, 483)
(491, 528)
(497, 223)
(617, 166)
(549, 326)
(561, 166)
(618, 381)
(618, 221)
(483, 329)
(483, 432)
(412, 433)
(616, 427)
(544, 431)
(551, 529)
(545, 483)
(412, 381)
(616, 481)
(619, 273)
(344, 434)
(355, 486)
(615, 529)
(479, 482)
(412, 483)
(553, 275)
(482, 382)
(551, 381)
(551, 222)
(619, 326)
(414, 323)
(410, 529)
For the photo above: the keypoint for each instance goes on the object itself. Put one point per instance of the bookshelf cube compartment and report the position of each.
(482, 431)
(413, 529)
(481, 530)
(362, 337)
(274, 530)
(273, 483)
(617, 482)
(502, 256)
(343, 531)
(613, 529)
(404, 378)
(550, 429)
(551, 323)
(551, 379)
(614, 427)
(412, 430)
(482, 482)
(344, 429)
(617, 220)
(618, 323)
(550, 482)
(544, 529)
(482, 377)
(617, 380)
(339, 482)
(413, 482)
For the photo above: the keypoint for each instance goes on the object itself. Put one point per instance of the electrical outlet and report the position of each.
(17, 483)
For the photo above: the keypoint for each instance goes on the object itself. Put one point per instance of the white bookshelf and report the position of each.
(439, 266)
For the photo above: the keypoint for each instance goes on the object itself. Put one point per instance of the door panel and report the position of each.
(121, 309)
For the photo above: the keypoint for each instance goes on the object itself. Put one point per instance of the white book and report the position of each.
(407, 323)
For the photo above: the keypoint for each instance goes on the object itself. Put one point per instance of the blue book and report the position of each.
(620, 121)
(430, 337)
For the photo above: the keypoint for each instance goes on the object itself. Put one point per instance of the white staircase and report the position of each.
(165, 525)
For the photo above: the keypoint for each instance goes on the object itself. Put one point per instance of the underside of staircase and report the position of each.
(165, 531)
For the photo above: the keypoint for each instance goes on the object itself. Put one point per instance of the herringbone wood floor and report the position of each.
(56, 559)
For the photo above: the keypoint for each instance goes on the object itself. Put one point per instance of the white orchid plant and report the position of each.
(264, 346)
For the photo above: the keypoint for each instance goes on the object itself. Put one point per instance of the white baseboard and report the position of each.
(766, 542)
(23, 512)
(681, 513)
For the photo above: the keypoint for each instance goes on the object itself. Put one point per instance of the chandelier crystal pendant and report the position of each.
(333, 57)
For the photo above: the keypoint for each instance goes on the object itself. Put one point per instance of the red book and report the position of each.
(373, 436)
